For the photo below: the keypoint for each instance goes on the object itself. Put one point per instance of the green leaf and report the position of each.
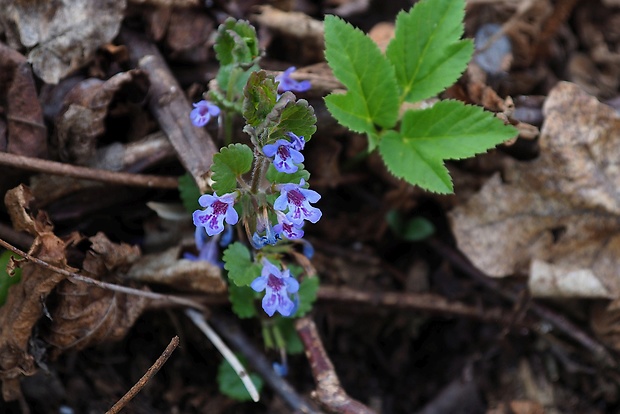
(189, 192)
(238, 261)
(236, 43)
(260, 97)
(230, 384)
(276, 177)
(290, 336)
(308, 289)
(372, 92)
(426, 50)
(6, 281)
(416, 229)
(296, 117)
(242, 300)
(229, 164)
(449, 130)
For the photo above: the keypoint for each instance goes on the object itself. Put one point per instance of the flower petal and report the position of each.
(259, 284)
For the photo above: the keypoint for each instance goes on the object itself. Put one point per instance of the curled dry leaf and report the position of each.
(558, 216)
(61, 35)
(85, 107)
(25, 302)
(166, 268)
(87, 315)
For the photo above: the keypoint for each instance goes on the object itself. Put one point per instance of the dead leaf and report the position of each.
(61, 36)
(81, 120)
(559, 215)
(25, 303)
(166, 268)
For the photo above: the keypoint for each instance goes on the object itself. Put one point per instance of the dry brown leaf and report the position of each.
(61, 36)
(25, 302)
(27, 134)
(559, 215)
(87, 315)
(85, 107)
(166, 268)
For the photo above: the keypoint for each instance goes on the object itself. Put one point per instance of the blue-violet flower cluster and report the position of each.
(291, 208)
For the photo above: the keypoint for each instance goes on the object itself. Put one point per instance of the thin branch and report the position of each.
(104, 285)
(421, 301)
(112, 177)
(150, 373)
(329, 392)
(215, 339)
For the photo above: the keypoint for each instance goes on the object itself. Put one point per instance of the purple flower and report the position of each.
(208, 250)
(202, 113)
(297, 143)
(284, 156)
(285, 226)
(288, 84)
(277, 286)
(216, 210)
(298, 200)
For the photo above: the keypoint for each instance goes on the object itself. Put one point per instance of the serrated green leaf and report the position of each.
(238, 262)
(260, 97)
(276, 177)
(242, 300)
(189, 193)
(6, 281)
(230, 384)
(296, 117)
(449, 130)
(231, 162)
(372, 92)
(426, 50)
(308, 289)
(236, 42)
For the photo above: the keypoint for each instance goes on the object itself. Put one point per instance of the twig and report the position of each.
(120, 404)
(113, 177)
(235, 337)
(194, 146)
(104, 285)
(422, 301)
(215, 339)
(558, 321)
(329, 392)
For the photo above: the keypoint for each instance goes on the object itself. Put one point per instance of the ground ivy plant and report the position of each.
(262, 189)
(425, 56)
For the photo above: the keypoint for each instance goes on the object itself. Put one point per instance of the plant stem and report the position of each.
(260, 166)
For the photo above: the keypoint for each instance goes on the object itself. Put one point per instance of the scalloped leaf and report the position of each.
(308, 290)
(426, 51)
(189, 193)
(236, 42)
(372, 93)
(296, 117)
(238, 262)
(242, 299)
(449, 130)
(261, 94)
(229, 164)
